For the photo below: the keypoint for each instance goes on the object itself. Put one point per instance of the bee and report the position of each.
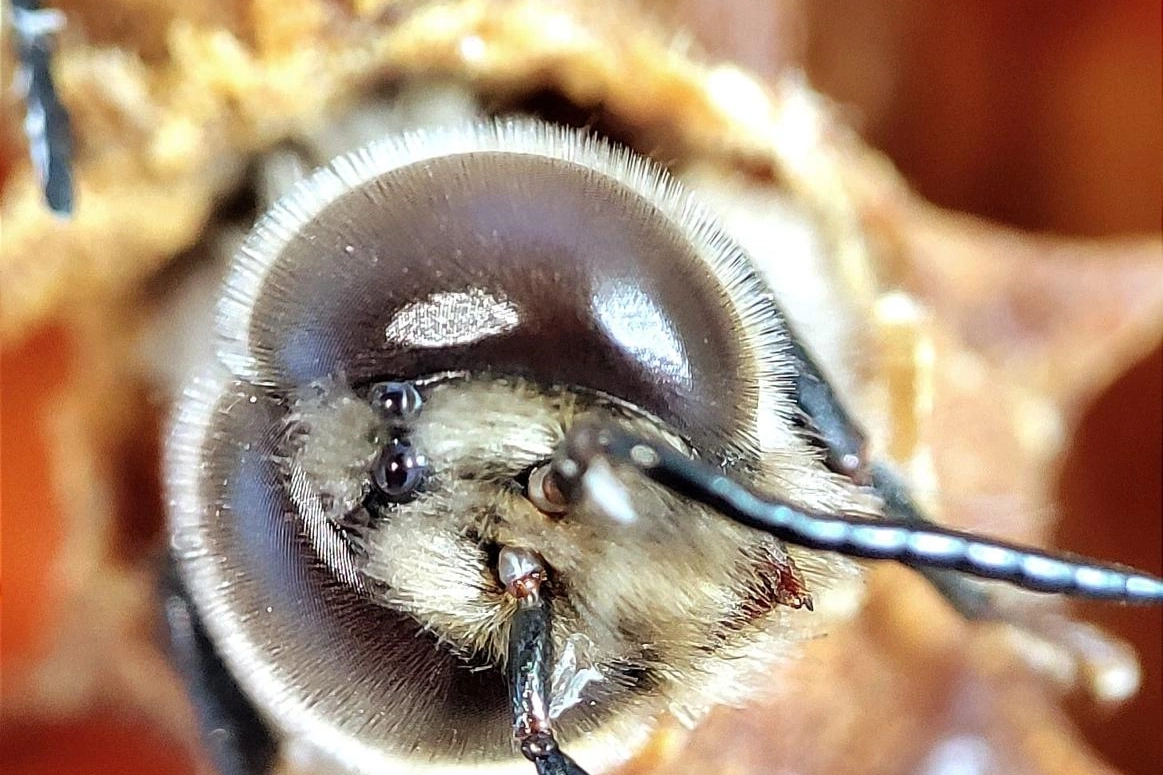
(506, 450)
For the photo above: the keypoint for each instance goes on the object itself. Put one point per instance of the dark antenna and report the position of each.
(918, 545)
(46, 122)
(530, 663)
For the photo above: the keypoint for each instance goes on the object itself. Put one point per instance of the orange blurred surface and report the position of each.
(30, 520)
(100, 741)
(96, 745)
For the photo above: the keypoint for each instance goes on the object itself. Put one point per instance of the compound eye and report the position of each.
(516, 249)
(395, 401)
(399, 471)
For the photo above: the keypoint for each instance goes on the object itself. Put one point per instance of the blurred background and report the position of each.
(1047, 116)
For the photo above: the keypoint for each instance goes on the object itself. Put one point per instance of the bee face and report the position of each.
(406, 340)
(461, 485)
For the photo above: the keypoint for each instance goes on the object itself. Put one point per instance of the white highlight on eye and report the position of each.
(452, 318)
(636, 323)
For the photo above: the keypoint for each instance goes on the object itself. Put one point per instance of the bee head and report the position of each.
(405, 341)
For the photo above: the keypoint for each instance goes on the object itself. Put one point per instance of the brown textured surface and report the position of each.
(163, 137)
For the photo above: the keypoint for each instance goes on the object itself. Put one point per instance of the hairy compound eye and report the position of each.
(396, 401)
(523, 250)
(399, 471)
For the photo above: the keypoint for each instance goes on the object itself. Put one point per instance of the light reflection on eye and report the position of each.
(452, 318)
(635, 323)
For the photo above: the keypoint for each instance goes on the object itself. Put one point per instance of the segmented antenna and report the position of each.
(917, 545)
(46, 122)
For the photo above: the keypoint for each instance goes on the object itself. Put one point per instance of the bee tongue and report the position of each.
(530, 663)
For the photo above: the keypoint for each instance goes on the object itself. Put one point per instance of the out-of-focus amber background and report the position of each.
(1044, 115)
(1047, 116)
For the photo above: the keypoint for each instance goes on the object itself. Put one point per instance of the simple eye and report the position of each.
(399, 471)
(395, 401)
